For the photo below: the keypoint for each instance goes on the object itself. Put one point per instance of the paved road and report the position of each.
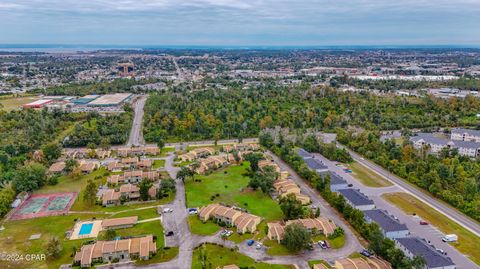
(440, 206)
(136, 135)
(351, 242)
(428, 232)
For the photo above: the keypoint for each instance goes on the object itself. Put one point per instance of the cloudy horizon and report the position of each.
(240, 23)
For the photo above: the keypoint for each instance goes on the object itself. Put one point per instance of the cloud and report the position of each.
(240, 21)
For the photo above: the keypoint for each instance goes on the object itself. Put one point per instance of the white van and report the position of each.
(450, 238)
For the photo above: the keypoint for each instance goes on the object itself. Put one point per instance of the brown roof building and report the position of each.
(119, 223)
(124, 249)
(243, 221)
(57, 167)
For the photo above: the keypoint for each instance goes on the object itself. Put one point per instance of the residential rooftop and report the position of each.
(386, 221)
(419, 247)
(356, 197)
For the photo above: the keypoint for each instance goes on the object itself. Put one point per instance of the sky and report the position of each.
(240, 23)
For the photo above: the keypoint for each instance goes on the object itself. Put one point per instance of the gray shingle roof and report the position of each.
(356, 197)
(315, 164)
(419, 247)
(304, 154)
(335, 179)
(385, 220)
(466, 131)
(431, 139)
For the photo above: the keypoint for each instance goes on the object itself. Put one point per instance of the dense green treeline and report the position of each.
(390, 85)
(115, 86)
(449, 176)
(238, 112)
(101, 130)
(30, 140)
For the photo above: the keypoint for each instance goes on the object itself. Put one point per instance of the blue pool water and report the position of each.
(86, 229)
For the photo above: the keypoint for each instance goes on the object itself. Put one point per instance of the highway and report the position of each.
(440, 206)
(136, 137)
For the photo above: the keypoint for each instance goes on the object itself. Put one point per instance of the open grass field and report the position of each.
(158, 164)
(276, 249)
(15, 102)
(14, 239)
(229, 186)
(148, 213)
(220, 256)
(468, 243)
(200, 228)
(367, 176)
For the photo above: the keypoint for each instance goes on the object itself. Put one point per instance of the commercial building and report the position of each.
(391, 227)
(357, 199)
(415, 246)
(115, 99)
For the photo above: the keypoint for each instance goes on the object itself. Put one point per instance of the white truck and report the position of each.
(450, 238)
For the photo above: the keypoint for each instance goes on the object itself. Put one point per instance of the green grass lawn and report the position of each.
(158, 164)
(69, 184)
(162, 255)
(468, 243)
(367, 176)
(14, 239)
(220, 256)
(16, 102)
(142, 214)
(184, 163)
(165, 150)
(231, 186)
(313, 262)
(200, 228)
(276, 249)
(335, 243)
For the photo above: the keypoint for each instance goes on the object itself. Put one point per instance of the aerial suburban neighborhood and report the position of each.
(239, 134)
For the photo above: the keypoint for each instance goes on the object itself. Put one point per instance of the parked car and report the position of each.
(192, 211)
(322, 244)
(366, 253)
(350, 185)
(348, 170)
(226, 233)
(167, 210)
(422, 222)
(258, 246)
(170, 233)
(250, 242)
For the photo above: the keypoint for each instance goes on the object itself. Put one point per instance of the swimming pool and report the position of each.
(85, 229)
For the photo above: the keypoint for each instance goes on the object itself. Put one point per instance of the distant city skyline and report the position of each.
(236, 23)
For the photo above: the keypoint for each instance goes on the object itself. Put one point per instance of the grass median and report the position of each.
(367, 177)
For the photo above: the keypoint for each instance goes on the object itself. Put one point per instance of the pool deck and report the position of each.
(96, 228)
